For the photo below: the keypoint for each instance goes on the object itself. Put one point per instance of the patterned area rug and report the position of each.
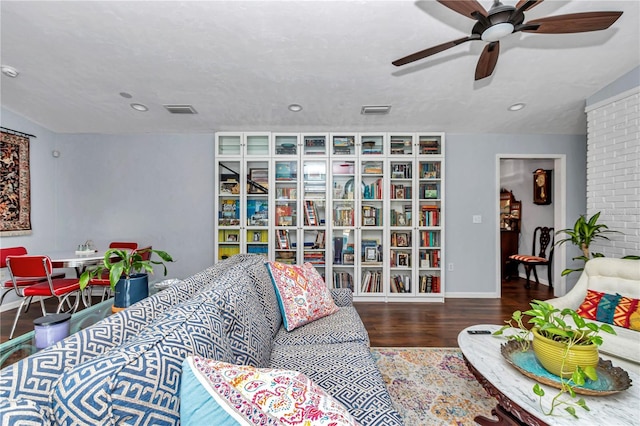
(432, 386)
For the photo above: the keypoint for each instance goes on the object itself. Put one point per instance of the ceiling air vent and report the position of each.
(180, 109)
(375, 110)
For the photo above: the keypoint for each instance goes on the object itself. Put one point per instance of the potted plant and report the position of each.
(584, 232)
(567, 351)
(128, 273)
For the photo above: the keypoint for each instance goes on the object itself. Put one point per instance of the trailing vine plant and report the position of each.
(551, 323)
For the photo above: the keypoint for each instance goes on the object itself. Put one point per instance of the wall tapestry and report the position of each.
(15, 202)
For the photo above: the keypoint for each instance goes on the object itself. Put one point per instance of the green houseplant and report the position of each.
(584, 232)
(550, 324)
(128, 273)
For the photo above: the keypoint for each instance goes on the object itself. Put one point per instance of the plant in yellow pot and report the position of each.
(565, 348)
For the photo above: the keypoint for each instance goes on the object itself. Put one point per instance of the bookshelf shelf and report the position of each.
(366, 209)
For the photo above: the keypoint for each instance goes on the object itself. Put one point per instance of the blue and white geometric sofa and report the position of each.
(127, 368)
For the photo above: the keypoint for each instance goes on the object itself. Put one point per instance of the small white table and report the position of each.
(69, 259)
(516, 399)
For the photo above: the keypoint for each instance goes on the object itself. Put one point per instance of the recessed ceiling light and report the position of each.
(517, 107)
(9, 71)
(139, 107)
(126, 95)
(295, 107)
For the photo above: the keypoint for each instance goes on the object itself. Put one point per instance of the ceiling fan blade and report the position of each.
(431, 51)
(467, 8)
(488, 60)
(572, 23)
(524, 5)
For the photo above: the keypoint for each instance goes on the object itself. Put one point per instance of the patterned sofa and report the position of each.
(127, 368)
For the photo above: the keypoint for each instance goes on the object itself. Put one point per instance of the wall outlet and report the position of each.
(477, 218)
(450, 267)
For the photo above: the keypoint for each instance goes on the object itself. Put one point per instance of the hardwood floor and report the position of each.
(391, 324)
(438, 324)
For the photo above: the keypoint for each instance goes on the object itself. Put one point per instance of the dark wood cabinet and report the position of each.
(508, 246)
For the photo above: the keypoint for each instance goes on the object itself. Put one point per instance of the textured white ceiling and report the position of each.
(240, 63)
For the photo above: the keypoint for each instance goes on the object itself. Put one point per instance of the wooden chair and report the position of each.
(543, 238)
(8, 285)
(39, 268)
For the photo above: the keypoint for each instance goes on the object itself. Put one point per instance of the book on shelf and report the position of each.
(430, 170)
(343, 215)
(401, 284)
(286, 170)
(310, 213)
(429, 284)
(342, 279)
(284, 215)
(430, 258)
(343, 141)
(429, 215)
(286, 193)
(401, 171)
(400, 145)
(257, 212)
(370, 215)
(319, 243)
(283, 242)
(372, 168)
(371, 281)
(429, 146)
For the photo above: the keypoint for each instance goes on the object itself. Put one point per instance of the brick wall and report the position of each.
(613, 171)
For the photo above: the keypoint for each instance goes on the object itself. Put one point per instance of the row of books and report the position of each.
(429, 170)
(429, 258)
(285, 215)
(343, 216)
(429, 146)
(397, 218)
(372, 168)
(429, 238)
(429, 215)
(401, 284)
(400, 239)
(342, 279)
(311, 217)
(283, 242)
(371, 282)
(315, 257)
(400, 192)
(429, 284)
(286, 193)
(401, 171)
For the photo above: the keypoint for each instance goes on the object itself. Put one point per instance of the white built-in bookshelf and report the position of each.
(367, 209)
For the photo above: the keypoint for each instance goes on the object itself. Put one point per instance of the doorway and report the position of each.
(514, 172)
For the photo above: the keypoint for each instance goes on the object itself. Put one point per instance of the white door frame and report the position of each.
(559, 214)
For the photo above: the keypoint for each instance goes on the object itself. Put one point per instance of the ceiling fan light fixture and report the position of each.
(517, 106)
(295, 107)
(497, 31)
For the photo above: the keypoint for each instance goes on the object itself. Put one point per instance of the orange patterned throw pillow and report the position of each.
(616, 310)
(302, 294)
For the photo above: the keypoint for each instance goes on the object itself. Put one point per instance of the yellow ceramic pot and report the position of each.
(550, 354)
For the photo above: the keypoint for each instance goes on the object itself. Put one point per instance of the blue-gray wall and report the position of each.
(159, 189)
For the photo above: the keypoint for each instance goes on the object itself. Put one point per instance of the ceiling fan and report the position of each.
(502, 20)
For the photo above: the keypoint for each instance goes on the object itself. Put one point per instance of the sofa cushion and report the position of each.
(225, 392)
(348, 373)
(246, 328)
(22, 412)
(34, 377)
(612, 309)
(138, 382)
(302, 294)
(344, 325)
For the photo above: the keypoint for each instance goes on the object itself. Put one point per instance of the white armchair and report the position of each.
(612, 276)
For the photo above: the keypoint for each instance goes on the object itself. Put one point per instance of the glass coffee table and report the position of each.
(22, 346)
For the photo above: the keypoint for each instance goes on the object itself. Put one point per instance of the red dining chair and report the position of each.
(103, 280)
(39, 267)
(8, 285)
